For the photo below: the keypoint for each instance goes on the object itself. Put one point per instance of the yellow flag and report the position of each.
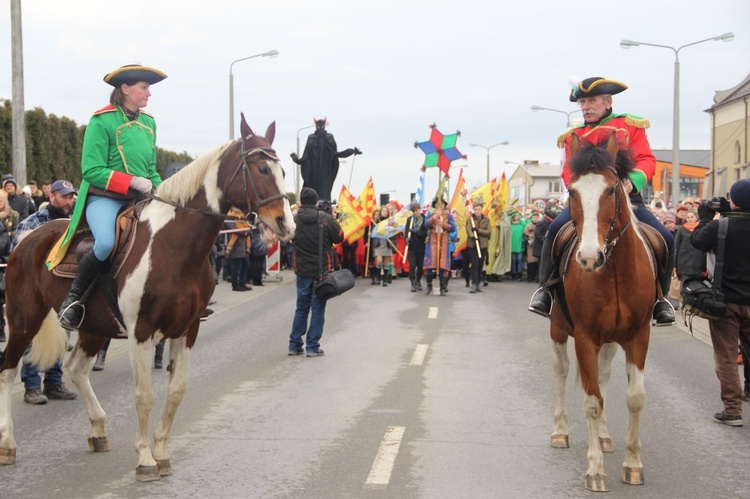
(350, 218)
(484, 195)
(460, 212)
(499, 201)
(366, 201)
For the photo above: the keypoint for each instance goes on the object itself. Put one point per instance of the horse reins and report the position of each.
(609, 245)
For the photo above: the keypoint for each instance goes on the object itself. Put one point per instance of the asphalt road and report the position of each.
(416, 397)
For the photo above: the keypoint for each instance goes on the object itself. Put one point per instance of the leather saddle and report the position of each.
(567, 240)
(83, 240)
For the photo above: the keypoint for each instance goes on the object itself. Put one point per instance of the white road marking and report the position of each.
(418, 357)
(433, 313)
(380, 474)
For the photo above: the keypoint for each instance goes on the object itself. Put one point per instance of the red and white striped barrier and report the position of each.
(273, 259)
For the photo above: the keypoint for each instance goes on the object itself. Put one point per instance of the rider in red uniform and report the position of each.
(594, 95)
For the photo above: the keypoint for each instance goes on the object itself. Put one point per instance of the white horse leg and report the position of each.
(632, 467)
(561, 364)
(79, 366)
(7, 442)
(140, 362)
(606, 355)
(179, 358)
(595, 476)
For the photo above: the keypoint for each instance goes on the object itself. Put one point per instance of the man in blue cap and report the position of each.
(61, 200)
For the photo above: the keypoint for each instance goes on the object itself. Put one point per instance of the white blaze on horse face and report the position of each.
(589, 189)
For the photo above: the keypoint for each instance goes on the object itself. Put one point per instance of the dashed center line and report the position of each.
(419, 354)
(432, 314)
(380, 474)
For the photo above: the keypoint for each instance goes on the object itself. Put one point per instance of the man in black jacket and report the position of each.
(416, 238)
(734, 327)
(308, 266)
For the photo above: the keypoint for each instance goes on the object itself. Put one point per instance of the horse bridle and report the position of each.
(247, 176)
(609, 244)
(245, 168)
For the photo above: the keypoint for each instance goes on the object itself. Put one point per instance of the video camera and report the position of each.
(327, 206)
(719, 203)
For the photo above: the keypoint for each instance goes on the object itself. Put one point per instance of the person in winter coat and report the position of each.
(308, 265)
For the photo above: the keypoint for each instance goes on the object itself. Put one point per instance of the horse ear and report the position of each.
(575, 145)
(612, 147)
(271, 132)
(245, 129)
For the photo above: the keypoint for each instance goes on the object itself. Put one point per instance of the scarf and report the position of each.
(691, 226)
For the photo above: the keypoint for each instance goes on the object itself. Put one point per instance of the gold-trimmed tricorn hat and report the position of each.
(133, 73)
(596, 85)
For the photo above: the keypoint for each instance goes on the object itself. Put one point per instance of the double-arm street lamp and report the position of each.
(270, 53)
(503, 143)
(626, 44)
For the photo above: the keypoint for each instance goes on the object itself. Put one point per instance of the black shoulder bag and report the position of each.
(701, 297)
(335, 282)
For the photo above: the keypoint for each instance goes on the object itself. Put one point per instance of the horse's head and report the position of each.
(255, 182)
(599, 205)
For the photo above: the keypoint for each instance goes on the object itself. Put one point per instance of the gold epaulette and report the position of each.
(146, 113)
(562, 138)
(637, 121)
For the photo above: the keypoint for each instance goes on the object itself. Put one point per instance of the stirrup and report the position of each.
(61, 315)
(663, 324)
(539, 311)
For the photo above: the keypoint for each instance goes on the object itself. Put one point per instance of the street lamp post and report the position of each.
(626, 44)
(540, 108)
(270, 53)
(503, 143)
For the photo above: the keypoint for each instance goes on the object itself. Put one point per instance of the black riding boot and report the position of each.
(419, 283)
(375, 276)
(385, 276)
(100, 358)
(541, 301)
(413, 285)
(428, 289)
(663, 310)
(72, 309)
(484, 278)
(443, 285)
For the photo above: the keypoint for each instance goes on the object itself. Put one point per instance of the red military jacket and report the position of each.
(630, 133)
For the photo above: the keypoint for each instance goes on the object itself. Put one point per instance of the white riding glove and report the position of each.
(141, 184)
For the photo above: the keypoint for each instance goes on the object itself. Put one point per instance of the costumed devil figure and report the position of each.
(320, 160)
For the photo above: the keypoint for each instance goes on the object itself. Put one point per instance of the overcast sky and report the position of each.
(383, 71)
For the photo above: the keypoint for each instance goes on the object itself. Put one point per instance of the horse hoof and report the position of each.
(99, 444)
(606, 444)
(7, 456)
(560, 441)
(147, 473)
(632, 476)
(596, 483)
(165, 468)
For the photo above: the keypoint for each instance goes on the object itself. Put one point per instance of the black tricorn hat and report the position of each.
(133, 73)
(596, 85)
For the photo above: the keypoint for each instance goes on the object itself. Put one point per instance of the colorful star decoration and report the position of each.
(440, 150)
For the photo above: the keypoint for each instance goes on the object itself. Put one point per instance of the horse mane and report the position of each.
(185, 184)
(595, 157)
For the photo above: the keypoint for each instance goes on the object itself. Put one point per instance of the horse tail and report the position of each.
(49, 344)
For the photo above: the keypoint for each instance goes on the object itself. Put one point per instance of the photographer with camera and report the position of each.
(308, 266)
(734, 326)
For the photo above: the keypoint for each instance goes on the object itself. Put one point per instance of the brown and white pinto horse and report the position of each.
(610, 293)
(162, 288)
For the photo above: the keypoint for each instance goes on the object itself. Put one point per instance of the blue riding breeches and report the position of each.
(642, 213)
(101, 214)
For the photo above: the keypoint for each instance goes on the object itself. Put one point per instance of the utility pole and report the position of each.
(18, 134)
